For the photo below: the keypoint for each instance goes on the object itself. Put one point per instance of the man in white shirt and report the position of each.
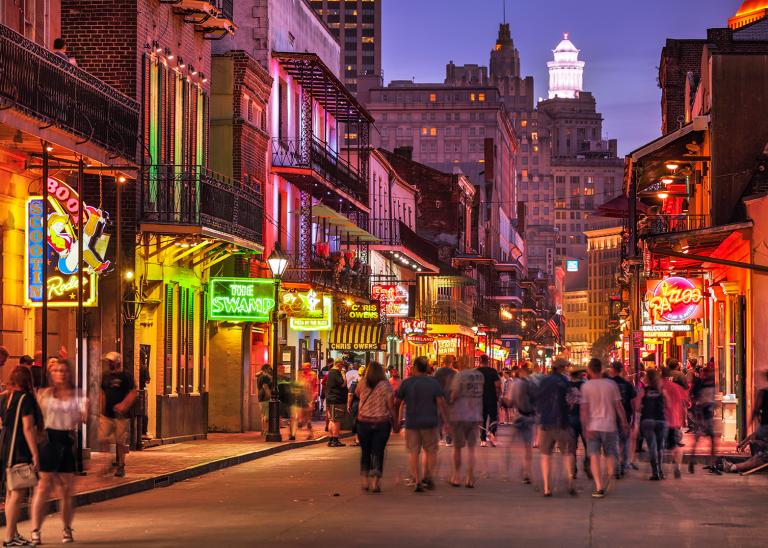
(352, 375)
(601, 413)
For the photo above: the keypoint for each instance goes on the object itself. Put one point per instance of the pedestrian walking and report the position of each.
(375, 421)
(335, 402)
(264, 388)
(21, 420)
(600, 407)
(491, 394)
(574, 419)
(444, 375)
(424, 402)
(522, 399)
(63, 410)
(465, 410)
(651, 407)
(703, 396)
(353, 402)
(628, 396)
(118, 394)
(552, 409)
(675, 414)
(308, 380)
(505, 414)
(394, 378)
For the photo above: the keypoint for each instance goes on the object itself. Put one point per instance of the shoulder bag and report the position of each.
(19, 476)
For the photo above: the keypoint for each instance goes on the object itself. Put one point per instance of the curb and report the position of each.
(166, 480)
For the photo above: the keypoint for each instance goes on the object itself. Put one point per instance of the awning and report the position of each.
(355, 336)
(618, 208)
(351, 233)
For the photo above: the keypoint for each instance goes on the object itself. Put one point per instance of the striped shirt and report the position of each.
(373, 403)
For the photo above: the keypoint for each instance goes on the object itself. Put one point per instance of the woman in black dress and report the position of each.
(30, 420)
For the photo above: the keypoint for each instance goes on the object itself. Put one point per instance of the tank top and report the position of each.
(652, 405)
(60, 414)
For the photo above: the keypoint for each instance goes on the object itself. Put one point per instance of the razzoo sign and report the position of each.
(60, 248)
(675, 300)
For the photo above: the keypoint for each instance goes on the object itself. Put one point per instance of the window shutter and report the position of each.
(190, 375)
(168, 364)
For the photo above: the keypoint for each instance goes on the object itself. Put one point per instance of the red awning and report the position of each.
(618, 208)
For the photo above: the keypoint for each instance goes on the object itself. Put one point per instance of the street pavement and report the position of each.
(311, 497)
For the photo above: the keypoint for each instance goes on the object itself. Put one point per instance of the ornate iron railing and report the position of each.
(448, 312)
(47, 87)
(653, 225)
(311, 153)
(333, 273)
(394, 232)
(506, 290)
(194, 195)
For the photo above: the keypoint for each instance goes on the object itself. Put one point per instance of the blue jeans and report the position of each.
(654, 432)
(624, 442)
(373, 438)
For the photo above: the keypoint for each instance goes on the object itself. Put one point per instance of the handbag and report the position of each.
(19, 476)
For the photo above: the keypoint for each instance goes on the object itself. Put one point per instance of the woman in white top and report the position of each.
(63, 410)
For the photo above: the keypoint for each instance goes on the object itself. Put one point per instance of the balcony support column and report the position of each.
(305, 234)
(305, 138)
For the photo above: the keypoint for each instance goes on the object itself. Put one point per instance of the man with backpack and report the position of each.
(522, 398)
(628, 395)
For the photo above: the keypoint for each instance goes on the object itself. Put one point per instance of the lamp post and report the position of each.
(278, 263)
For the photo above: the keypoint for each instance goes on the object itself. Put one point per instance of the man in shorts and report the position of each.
(600, 409)
(552, 408)
(465, 404)
(522, 399)
(675, 413)
(336, 402)
(118, 395)
(423, 399)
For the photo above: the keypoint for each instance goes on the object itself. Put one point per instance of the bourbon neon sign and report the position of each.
(675, 300)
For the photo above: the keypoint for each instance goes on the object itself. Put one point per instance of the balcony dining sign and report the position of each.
(675, 300)
(60, 248)
(241, 299)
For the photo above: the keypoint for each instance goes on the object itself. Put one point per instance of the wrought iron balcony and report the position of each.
(653, 225)
(394, 234)
(308, 161)
(337, 272)
(196, 196)
(45, 86)
(506, 292)
(448, 312)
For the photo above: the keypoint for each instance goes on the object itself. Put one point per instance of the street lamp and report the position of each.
(278, 263)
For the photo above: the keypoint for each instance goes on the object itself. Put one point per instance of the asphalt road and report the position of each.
(311, 497)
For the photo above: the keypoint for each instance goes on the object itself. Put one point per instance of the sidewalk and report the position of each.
(164, 465)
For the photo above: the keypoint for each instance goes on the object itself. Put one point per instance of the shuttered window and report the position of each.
(168, 342)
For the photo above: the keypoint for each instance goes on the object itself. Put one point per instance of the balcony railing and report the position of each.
(653, 225)
(194, 195)
(508, 290)
(49, 88)
(394, 232)
(320, 158)
(336, 272)
(448, 312)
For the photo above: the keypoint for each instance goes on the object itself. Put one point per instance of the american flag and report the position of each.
(554, 324)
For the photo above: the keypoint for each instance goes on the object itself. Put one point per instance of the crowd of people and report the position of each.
(41, 410)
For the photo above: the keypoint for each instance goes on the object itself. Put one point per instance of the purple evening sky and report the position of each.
(620, 40)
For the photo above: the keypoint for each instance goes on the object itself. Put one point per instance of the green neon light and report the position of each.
(241, 299)
(315, 324)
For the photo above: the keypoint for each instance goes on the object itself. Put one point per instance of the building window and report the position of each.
(481, 97)
(433, 132)
(432, 97)
(523, 123)
(423, 131)
(472, 97)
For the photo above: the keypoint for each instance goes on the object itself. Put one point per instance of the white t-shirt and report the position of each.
(600, 395)
(352, 376)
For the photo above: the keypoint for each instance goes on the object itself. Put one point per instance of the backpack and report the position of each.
(523, 398)
(506, 393)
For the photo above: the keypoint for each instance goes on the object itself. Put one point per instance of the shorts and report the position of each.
(417, 439)
(57, 452)
(113, 430)
(524, 425)
(608, 442)
(674, 437)
(264, 406)
(563, 437)
(465, 434)
(336, 412)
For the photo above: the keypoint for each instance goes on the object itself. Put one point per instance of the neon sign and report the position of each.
(315, 323)
(60, 248)
(447, 346)
(365, 312)
(393, 300)
(302, 304)
(414, 326)
(241, 299)
(675, 300)
(419, 339)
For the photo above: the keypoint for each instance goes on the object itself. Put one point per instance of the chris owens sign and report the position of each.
(675, 300)
(241, 299)
(60, 248)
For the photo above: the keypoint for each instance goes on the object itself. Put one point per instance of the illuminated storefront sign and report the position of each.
(675, 300)
(60, 248)
(660, 327)
(365, 312)
(571, 266)
(393, 300)
(315, 323)
(241, 299)
(301, 304)
(447, 346)
(496, 353)
(419, 339)
(414, 326)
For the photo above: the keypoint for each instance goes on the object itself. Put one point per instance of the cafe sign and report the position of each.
(315, 322)
(60, 248)
(414, 326)
(392, 299)
(675, 300)
(241, 299)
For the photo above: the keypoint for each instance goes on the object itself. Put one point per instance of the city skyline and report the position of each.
(630, 104)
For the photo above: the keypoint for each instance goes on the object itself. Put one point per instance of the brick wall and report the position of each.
(678, 58)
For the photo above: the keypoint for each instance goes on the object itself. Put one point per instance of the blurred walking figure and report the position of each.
(375, 419)
(465, 409)
(309, 384)
(601, 409)
(652, 421)
(21, 422)
(444, 375)
(505, 414)
(264, 387)
(335, 402)
(552, 408)
(491, 394)
(523, 398)
(394, 378)
(424, 401)
(703, 396)
(628, 395)
(118, 395)
(574, 419)
(675, 414)
(353, 402)
(63, 411)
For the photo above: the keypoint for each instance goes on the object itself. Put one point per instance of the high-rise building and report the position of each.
(604, 255)
(356, 24)
(566, 72)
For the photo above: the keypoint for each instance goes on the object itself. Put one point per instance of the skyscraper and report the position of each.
(356, 24)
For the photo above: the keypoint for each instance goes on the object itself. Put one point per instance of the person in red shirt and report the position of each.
(675, 414)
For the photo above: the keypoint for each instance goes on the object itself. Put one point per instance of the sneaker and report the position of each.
(418, 488)
(338, 443)
(18, 540)
(67, 537)
(598, 493)
(120, 472)
(526, 480)
(35, 537)
(427, 483)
